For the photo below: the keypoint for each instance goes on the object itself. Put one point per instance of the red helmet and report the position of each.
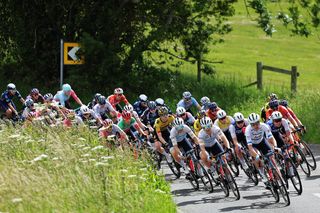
(107, 122)
(126, 115)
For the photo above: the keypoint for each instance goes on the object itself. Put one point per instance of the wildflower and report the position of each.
(40, 157)
(97, 147)
(16, 200)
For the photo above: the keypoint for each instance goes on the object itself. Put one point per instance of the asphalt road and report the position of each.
(253, 198)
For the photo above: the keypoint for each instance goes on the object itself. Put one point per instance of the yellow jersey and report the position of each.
(159, 125)
(224, 126)
(197, 126)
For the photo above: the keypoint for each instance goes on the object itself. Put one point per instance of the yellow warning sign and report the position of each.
(70, 56)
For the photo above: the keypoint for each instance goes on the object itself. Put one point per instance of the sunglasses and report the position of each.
(277, 120)
(222, 118)
(240, 122)
(187, 99)
(206, 127)
(182, 114)
(180, 127)
(255, 124)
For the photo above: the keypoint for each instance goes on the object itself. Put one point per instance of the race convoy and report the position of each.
(200, 141)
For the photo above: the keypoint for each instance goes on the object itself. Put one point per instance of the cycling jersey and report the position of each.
(197, 126)
(114, 101)
(284, 112)
(212, 115)
(212, 139)
(139, 108)
(27, 112)
(6, 98)
(102, 109)
(114, 131)
(224, 126)
(80, 117)
(62, 98)
(160, 126)
(284, 127)
(256, 136)
(40, 99)
(293, 115)
(126, 126)
(188, 118)
(149, 118)
(178, 136)
(237, 132)
(188, 104)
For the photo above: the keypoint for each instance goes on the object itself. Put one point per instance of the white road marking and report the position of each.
(317, 194)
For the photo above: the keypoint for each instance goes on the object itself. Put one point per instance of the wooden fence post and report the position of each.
(294, 71)
(259, 75)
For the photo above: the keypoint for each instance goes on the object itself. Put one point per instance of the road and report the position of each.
(253, 198)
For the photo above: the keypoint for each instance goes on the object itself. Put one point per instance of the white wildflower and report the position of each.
(92, 159)
(40, 157)
(86, 148)
(132, 176)
(81, 139)
(124, 170)
(107, 157)
(84, 161)
(142, 178)
(101, 164)
(81, 145)
(16, 200)
(97, 147)
(41, 140)
(55, 158)
(14, 136)
(159, 191)
(143, 169)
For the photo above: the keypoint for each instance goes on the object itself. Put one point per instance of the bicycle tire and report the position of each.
(298, 187)
(234, 165)
(221, 182)
(207, 185)
(175, 168)
(281, 186)
(273, 187)
(232, 183)
(309, 155)
(251, 172)
(303, 165)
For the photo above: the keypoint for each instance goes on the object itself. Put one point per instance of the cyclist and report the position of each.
(150, 115)
(29, 111)
(212, 111)
(180, 142)
(237, 130)
(35, 96)
(274, 106)
(86, 114)
(162, 127)
(210, 136)
(111, 129)
(188, 101)
(117, 98)
(285, 104)
(187, 117)
(196, 124)
(141, 104)
(94, 100)
(224, 121)
(6, 103)
(259, 139)
(205, 101)
(160, 103)
(64, 95)
(52, 105)
(129, 108)
(264, 109)
(103, 108)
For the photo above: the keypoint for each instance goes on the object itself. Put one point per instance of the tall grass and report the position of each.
(57, 170)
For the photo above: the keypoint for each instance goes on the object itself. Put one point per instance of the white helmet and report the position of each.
(178, 122)
(221, 114)
(205, 121)
(238, 116)
(186, 94)
(253, 118)
(11, 86)
(204, 100)
(84, 109)
(128, 107)
(118, 91)
(181, 110)
(159, 102)
(143, 98)
(276, 115)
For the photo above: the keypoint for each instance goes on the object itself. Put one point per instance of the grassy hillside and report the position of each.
(57, 170)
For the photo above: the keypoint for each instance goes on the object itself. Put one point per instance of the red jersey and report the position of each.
(113, 100)
(212, 115)
(284, 112)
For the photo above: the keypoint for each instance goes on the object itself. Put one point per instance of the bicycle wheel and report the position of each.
(281, 186)
(303, 161)
(273, 185)
(231, 183)
(233, 164)
(220, 180)
(295, 179)
(309, 155)
(205, 179)
(251, 172)
(175, 168)
(282, 167)
(192, 176)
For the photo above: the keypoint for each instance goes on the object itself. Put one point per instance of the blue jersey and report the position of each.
(139, 108)
(187, 105)
(6, 97)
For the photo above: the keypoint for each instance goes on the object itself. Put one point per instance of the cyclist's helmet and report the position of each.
(204, 100)
(159, 102)
(96, 96)
(34, 91)
(29, 103)
(221, 114)
(205, 122)
(253, 118)
(276, 115)
(201, 114)
(126, 115)
(48, 97)
(118, 91)
(284, 103)
(163, 111)
(213, 106)
(152, 105)
(128, 108)
(11, 86)
(273, 96)
(107, 122)
(66, 88)
(180, 111)
(143, 98)
(178, 122)
(238, 116)
(273, 104)
(102, 100)
(186, 95)
(84, 109)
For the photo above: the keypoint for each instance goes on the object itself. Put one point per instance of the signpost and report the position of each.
(68, 56)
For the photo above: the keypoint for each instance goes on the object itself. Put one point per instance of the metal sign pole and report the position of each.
(61, 63)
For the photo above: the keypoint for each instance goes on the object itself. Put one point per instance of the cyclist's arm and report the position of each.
(233, 136)
(12, 108)
(75, 97)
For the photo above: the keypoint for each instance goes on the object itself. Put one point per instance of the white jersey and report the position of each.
(106, 108)
(178, 136)
(256, 136)
(79, 117)
(233, 130)
(212, 139)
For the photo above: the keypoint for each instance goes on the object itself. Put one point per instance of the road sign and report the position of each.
(70, 54)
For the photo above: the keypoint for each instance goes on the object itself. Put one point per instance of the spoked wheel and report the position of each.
(309, 155)
(281, 186)
(251, 172)
(282, 167)
(175, 168)
(205, 179)
(233, 164)
(193, 180)
(295, 178)
(302, 161)
(221, 182)
(273, 186)
(232, 183)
